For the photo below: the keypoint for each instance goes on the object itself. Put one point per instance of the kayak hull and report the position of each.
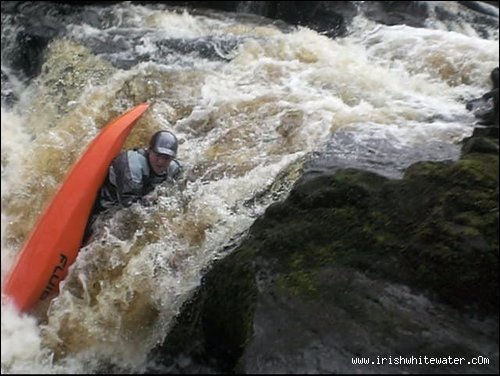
(55, 241)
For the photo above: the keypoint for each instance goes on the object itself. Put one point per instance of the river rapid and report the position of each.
(253, 102)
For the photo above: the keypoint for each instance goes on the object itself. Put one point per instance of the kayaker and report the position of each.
(135, 173)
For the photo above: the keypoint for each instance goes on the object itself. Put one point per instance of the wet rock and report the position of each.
(411, 13)
(485, 108)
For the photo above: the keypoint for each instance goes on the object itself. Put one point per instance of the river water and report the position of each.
(253, 104)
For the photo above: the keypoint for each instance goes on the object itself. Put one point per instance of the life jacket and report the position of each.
(131, 177)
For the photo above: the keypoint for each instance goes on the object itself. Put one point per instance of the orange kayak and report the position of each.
(55, 241)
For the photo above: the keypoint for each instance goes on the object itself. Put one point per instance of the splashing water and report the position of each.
(249, 104)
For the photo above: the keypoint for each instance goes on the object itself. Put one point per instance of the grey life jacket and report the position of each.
(130, 177)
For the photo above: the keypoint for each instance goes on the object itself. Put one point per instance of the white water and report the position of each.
(241, 121)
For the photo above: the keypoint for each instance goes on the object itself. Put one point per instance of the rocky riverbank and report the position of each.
(353, 261)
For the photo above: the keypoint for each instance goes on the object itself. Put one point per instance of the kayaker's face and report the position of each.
(159, 162)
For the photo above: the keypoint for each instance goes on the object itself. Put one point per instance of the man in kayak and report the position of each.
(135, 173)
